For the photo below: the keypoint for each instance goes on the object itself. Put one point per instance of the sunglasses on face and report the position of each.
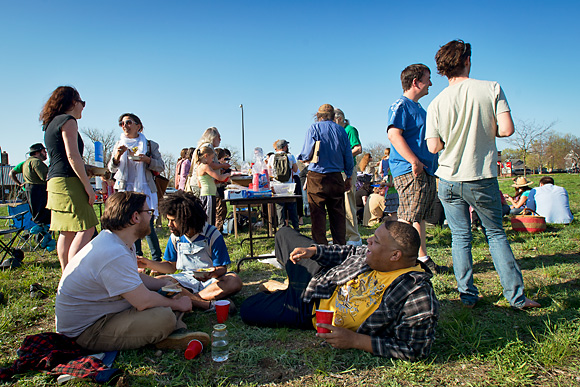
(150, 211)
(127, 122)
(84, 103)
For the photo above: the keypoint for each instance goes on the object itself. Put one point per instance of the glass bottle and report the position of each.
(219, 343)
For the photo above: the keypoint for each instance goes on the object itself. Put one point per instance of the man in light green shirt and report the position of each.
(352, 234)
(463, 122)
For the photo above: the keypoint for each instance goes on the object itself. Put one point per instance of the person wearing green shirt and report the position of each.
(352, 234)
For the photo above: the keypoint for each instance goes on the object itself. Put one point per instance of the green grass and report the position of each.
(491, 345)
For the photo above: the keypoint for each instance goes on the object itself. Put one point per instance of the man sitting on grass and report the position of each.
(104, 303)
(193, 245)
(383, 302)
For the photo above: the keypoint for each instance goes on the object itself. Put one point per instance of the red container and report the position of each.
(194, 348)
(324, 317)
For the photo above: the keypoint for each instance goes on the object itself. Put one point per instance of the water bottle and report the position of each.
(220, 348)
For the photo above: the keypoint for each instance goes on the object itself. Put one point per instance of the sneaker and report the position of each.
(180, 338)
(435, 268)
(51, 246)
(38, 291)
(354, 243)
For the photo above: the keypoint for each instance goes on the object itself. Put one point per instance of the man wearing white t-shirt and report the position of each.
(463, 122)
(104, 303)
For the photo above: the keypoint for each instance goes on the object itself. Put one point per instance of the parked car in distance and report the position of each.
(520, 171)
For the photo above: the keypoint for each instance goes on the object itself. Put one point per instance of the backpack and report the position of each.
(282, 167)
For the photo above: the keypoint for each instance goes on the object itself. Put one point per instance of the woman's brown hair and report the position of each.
(60, 101)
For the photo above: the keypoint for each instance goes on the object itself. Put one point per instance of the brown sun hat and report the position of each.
(522, 182)
(326, 108)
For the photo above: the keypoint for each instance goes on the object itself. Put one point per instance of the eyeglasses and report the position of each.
(151, 211)
(84, 103)
(127, 122)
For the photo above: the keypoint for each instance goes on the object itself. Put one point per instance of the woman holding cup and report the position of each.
(133, 162)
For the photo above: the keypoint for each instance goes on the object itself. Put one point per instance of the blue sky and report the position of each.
(183, 66)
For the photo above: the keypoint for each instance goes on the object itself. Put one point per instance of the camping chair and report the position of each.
(10, 235)
(34, 238)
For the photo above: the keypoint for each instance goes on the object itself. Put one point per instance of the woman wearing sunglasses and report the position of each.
(134, 160)
(70, 194)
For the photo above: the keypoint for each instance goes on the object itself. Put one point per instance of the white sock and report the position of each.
(423, 259)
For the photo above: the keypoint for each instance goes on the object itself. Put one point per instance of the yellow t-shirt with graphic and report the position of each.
(353, 302)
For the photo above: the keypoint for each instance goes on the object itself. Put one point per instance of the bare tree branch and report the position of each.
(526, 133)
(108, 139)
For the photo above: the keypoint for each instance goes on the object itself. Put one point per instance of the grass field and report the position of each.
(491, 345)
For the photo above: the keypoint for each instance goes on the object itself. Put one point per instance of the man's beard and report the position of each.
(144, 230)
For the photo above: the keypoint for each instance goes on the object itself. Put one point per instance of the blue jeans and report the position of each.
(152, 241)
(484, 197)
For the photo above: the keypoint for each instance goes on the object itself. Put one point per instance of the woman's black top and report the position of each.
(59, 164)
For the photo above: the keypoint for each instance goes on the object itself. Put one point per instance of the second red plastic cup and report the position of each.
(194, 348)
(324, 317)
(222, 309)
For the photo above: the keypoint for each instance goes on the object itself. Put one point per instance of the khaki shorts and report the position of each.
(129, 329)
(416, 196)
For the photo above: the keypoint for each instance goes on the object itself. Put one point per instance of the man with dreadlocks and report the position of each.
(194, 244)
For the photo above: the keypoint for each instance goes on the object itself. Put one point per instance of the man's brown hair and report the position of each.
(411, 72)
(119, 210)
(451, 58)
(187, 210)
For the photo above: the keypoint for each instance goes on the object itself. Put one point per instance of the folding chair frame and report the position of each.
(6, 247)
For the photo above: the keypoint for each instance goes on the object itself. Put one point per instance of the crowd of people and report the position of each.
(381, 292)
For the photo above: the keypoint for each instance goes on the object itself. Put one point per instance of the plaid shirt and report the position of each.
(60, 355)
(403, 326)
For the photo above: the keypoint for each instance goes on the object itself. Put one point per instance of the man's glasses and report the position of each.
(151, 211)
(127, 122)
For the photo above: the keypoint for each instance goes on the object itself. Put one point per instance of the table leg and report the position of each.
(271, 219)
(235, 220)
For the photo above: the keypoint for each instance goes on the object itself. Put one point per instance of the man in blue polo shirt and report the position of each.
(412, 165)
(327, 149)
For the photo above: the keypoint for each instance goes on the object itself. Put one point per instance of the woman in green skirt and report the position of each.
(70, 194)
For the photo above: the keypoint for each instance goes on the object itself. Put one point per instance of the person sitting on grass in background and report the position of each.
(383, 301)
(194, 244)
(551, 202)
(206, 177)
(375, 206)
(522, 191)
(104, 303)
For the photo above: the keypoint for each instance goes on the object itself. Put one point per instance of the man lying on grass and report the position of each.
(383, 302)
(198, 250)
(104, 303)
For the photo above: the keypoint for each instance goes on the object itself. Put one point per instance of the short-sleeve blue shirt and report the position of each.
(409, 116)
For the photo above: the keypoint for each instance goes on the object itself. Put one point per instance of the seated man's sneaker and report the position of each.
(435, 268)
(180, 338)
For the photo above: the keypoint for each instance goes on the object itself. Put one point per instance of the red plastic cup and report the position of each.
(194, 348)
(324, 317)
(222, 309)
